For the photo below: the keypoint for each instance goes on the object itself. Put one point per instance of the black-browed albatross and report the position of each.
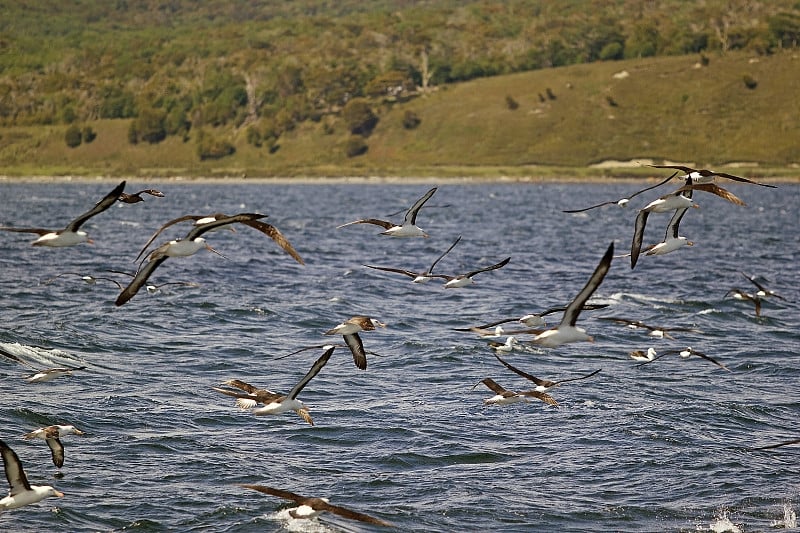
(703, 175)
(567, 331)
(189, 245)
(20, 491)
(136, 197)
(71, 234)
(418, 277)
(409, 226)
(507, 397)
(248, 396)
(51, 435)
(311, 507)
(199, 220)
(542, 385)
(349, 331)
(462, 280)
(622, 202)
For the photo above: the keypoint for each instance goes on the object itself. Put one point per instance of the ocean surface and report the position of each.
(660, 447)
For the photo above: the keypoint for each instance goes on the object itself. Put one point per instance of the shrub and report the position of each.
(211, 147)
(73, 136)
(359, 117)
(749, 81)
(511, 103)
(410, 120)
(88, 134)
(148, 126)
(356, 146)
(611, 51)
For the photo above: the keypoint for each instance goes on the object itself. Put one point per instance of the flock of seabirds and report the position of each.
(266, 402)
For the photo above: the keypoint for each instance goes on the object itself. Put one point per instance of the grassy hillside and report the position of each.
(665, 108)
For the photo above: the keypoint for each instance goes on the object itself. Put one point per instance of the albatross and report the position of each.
(248, 396)
(567, 331)
(542, 385)
(680, 202)
(51, 435)
(418, 277)
(409, 226)
(622, 202)
(349, 331)
(20, 491)
(71, 234)
(201, 220)
(462, 280)
(189, 245)
(507, 397)
(703, 175)
(311, 507)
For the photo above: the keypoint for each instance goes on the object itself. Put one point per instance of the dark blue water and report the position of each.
(661, 447)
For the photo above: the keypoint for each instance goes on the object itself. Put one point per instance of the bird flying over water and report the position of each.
(622, 202)
(418, 277)
(409, 226)
(71, 234)
(20, 491)
(693, 175)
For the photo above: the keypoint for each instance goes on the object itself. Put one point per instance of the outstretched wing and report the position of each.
(285, 494)
(15, 475)
(315, 368)
(713, 188)
(107, 201)
(411, 214)
(430, 270)
(501, 264)
(275, 234)
(382, 223)
(529, 377)
(408, 273)
(139, 279)
(165, 226)
(353, 342)
(576, 306)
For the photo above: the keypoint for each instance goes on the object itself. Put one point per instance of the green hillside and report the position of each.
(395, 87)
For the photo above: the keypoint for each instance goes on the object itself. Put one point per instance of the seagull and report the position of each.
(762, 292)
(694, 175)
(418, 277)
(679, 202)
(275, 403)
(21, 492)
(533, 320)
(622, 202)
(639, 355)
(136, 197)
(52, 373)
(311, 507)
(739, 294)
(409, 226)
(655, 331)
(542, 385)
(51, 435)
(185, 247)
(71, 234)
(507, 397)
(566, 330)
(685, 354)
(349, 331)
(201, 220)
(462, 280)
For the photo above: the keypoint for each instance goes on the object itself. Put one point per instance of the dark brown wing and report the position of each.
(382, 223)
(638, 236)
(411, 214)
(165, 226)
(546, 398)
(38, 231)
(713, 188)
(353, 342)
(408, 273)
(497, 389)
(57, 450)
(275, 234)
(322, 505)
(139, 279)
(107, 201)
(15, 475)
(529, 377)
(501, 264)
(285, 494)
(576, 306)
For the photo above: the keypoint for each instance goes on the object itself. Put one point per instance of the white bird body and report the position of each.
(668, 203)
(36, 493)
(669, 245)
(562, 335)
(62, 239)
(20, 491)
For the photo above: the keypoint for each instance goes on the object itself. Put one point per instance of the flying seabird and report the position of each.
(762, 292)
(507, 397)
(655, 331)
(189, 245)
(672, 241)
(679, 202)
(132, 198)
(462, 280)
(409, 226)
(20, 491)
(739, 294)
(622, 202)
(418, 277)
(86, 278)
(566, 330)
(51, 435)
(52, 373)
(713, 189)
(693, 175)
(507, 346)
(642, 356)
(542, 385)
(71, 234)
(533, 320)
(685, 354)
(349, 331)
(201, 220)
(311, 507)
(275, 403)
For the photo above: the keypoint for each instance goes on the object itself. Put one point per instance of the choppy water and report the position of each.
(661, 447)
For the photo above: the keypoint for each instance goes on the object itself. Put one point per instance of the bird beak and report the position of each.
(210, 249)
(79, 432)
(689, 243)
(696, 206)
(59, 494)
(89, 241)
(380, 324)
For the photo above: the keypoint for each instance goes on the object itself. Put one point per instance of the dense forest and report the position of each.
(209, 70)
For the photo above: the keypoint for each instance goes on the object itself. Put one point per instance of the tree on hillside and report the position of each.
(359, 117)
